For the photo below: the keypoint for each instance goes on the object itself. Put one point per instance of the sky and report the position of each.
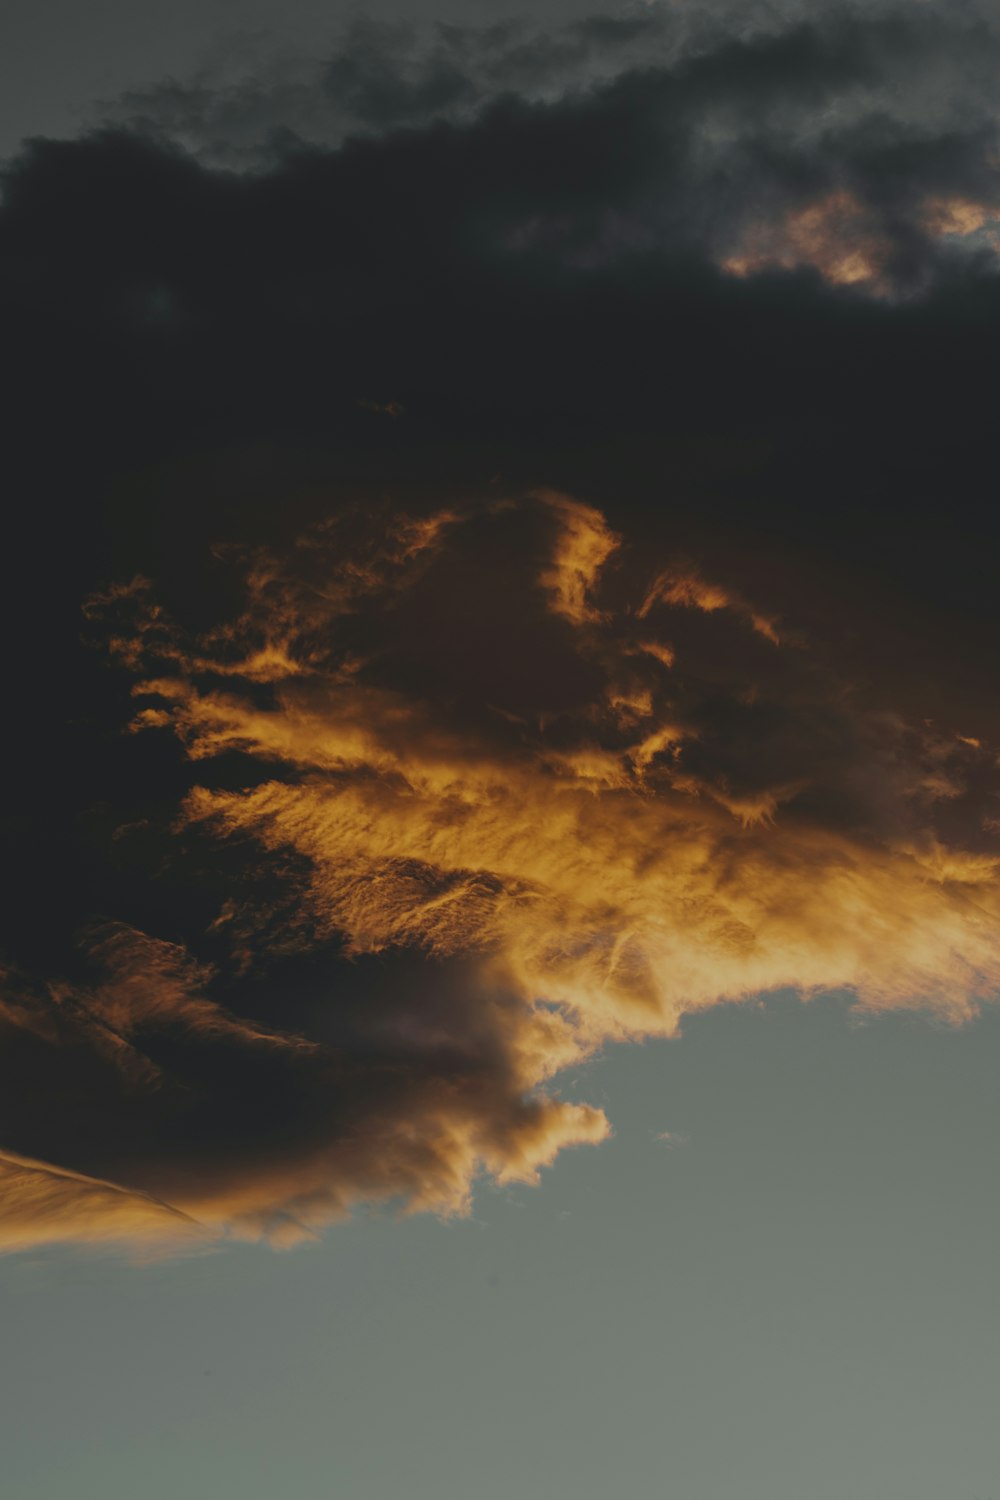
(500, 962)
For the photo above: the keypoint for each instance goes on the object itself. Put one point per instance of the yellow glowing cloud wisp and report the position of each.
(583, 546)
(604, 873)
(42, 1204)
(605, 882)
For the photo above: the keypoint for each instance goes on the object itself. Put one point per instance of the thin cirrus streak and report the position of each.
(43, 1203)
(507, 794)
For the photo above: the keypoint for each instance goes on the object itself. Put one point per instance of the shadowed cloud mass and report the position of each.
(859, 143)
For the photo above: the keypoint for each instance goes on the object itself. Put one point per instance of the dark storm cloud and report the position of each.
(384, 75)
(843, 139)
(911, 63)
(437, 781)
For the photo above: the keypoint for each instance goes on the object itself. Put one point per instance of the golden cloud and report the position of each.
(583, 845)
(42, 1204)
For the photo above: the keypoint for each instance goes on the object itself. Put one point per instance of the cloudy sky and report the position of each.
(501, 633)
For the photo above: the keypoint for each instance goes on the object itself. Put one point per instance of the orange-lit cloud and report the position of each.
(42, 1204)
(834, 235)
(685, 586)
(223, 1127)
(583, 546)
(960, 216)
(845, 240)
(679, 825)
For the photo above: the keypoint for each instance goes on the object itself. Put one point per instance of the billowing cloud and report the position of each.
(206, 1122)
(452, 857)
(600, 420)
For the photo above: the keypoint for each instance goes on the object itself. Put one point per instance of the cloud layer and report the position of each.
(478, 792)
(535, 522)
(856, 143)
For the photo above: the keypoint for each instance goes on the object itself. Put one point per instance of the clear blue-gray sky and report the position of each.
(796, 1298)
